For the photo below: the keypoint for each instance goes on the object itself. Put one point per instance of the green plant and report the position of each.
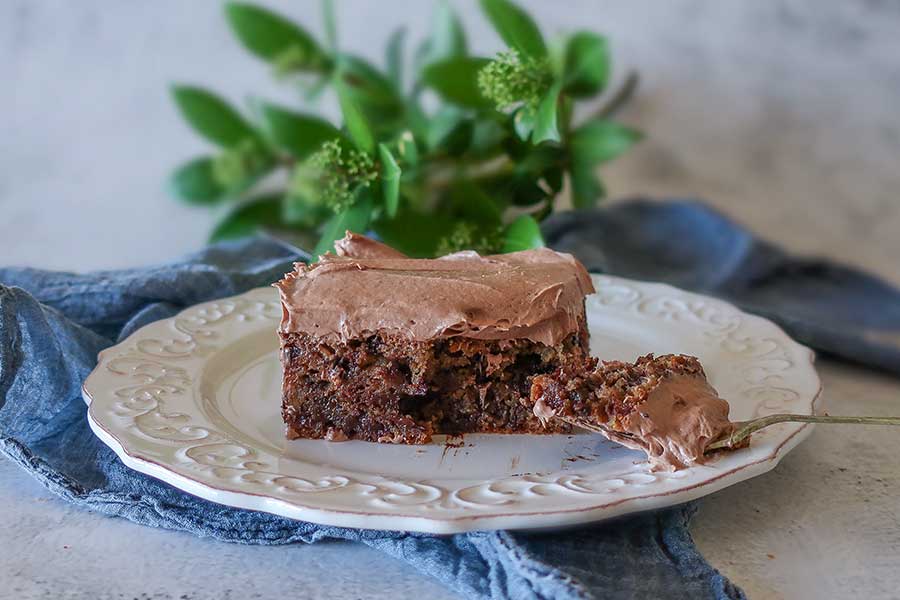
(477, 169)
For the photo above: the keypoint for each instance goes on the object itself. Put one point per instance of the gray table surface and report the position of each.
(783, 114)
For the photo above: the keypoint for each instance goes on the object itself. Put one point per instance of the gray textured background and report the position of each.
(784, 114)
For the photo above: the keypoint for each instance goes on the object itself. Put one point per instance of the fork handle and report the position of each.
(744, 429)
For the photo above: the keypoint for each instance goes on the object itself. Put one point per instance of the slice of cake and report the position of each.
(662, 405)
(380, 347)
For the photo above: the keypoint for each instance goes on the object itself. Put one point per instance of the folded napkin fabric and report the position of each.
(839, 311)
(53, 324)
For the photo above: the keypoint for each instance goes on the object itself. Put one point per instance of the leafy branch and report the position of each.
(478, 168)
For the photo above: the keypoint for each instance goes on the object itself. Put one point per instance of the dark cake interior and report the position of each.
(609, 391)
(388, 389)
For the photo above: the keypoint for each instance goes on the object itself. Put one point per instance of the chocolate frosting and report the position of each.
(369, 287)
(677, 421)
(681, 416)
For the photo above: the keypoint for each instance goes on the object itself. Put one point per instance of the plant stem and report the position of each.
(620, 98)
(744, 429)
(442, 174)
(545, 210)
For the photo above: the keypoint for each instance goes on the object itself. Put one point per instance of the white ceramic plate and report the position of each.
(195, 401)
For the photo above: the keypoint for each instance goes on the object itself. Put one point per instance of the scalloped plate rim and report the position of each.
(419, 522)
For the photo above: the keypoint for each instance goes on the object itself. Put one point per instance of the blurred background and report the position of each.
(782, 114)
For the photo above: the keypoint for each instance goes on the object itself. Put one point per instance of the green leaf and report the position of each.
(522, 234)
(447, 35)
(487, 138)
(313, 90)
(538, 159)
(599, 141)
(587, 188)
(518, 189)
(447, 39)
(354, 119)
(586, 69)
(458, 141)
(545, 127)
(566, 108)
(515, 27)
(241, 166)
(456, 80)
(247, 218)
(450, 130)
(591, 144)
(441, 124)
(299, 134)
(469, 201)
(390, 180)
(194, 182)
(415, 119)
(296, 210)
(211, 116)
(356, 219)
(371, 89)
(329, 23)
(526, 191)
(413, 233)
(394, 57)
(274, 38)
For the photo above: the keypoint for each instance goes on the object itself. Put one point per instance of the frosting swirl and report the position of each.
(369, 287)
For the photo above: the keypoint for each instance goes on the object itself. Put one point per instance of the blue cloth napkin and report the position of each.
(839, 311)
(53, 324)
